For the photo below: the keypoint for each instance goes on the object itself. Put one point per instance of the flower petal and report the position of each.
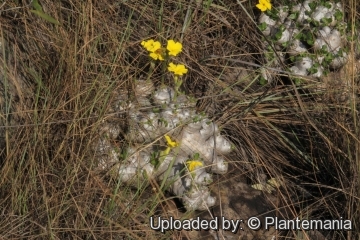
(267, 4)
(170, 143)
(193, 164)
(172, 67)
(156, 56)
(179, 69)
(148, 45)
(173, 47)
(261, 7)
(156, 46)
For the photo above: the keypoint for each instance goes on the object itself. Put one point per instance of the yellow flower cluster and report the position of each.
(154, 48)
(156, 52)
(264, 5)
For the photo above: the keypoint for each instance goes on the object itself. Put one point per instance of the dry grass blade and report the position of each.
(60, 83)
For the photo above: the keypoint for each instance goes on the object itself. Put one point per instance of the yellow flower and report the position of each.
(264, 5)
(193, 164)
(179, 69)
(157, 55)
(154, 47)
(165, 152)
(170, 143)
(173, 47)
(151, 45)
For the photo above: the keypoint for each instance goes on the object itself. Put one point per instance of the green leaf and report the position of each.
(196, 156)
(154, 160)
(324, 49)
(292, 16)
(124, 154)
(315, 23)
(310, 39)
(36, 5)
(273, 14)
(156, 110)
(326, 21)
(312, 5)
(262, 81)
(338, 15)
(45, 16)
(299, 36)
(313, 70)
(196, 119)
(278, 35)
(327, 5)
(328, 58)
(285, 44)
(262, 26)
(297, 81)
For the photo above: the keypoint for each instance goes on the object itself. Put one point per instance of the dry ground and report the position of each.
(58, 82)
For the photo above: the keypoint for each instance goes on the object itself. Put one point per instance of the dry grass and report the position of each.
(64, 78)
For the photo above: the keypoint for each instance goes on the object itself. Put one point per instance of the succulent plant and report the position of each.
(196, 134)
(308, 35)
